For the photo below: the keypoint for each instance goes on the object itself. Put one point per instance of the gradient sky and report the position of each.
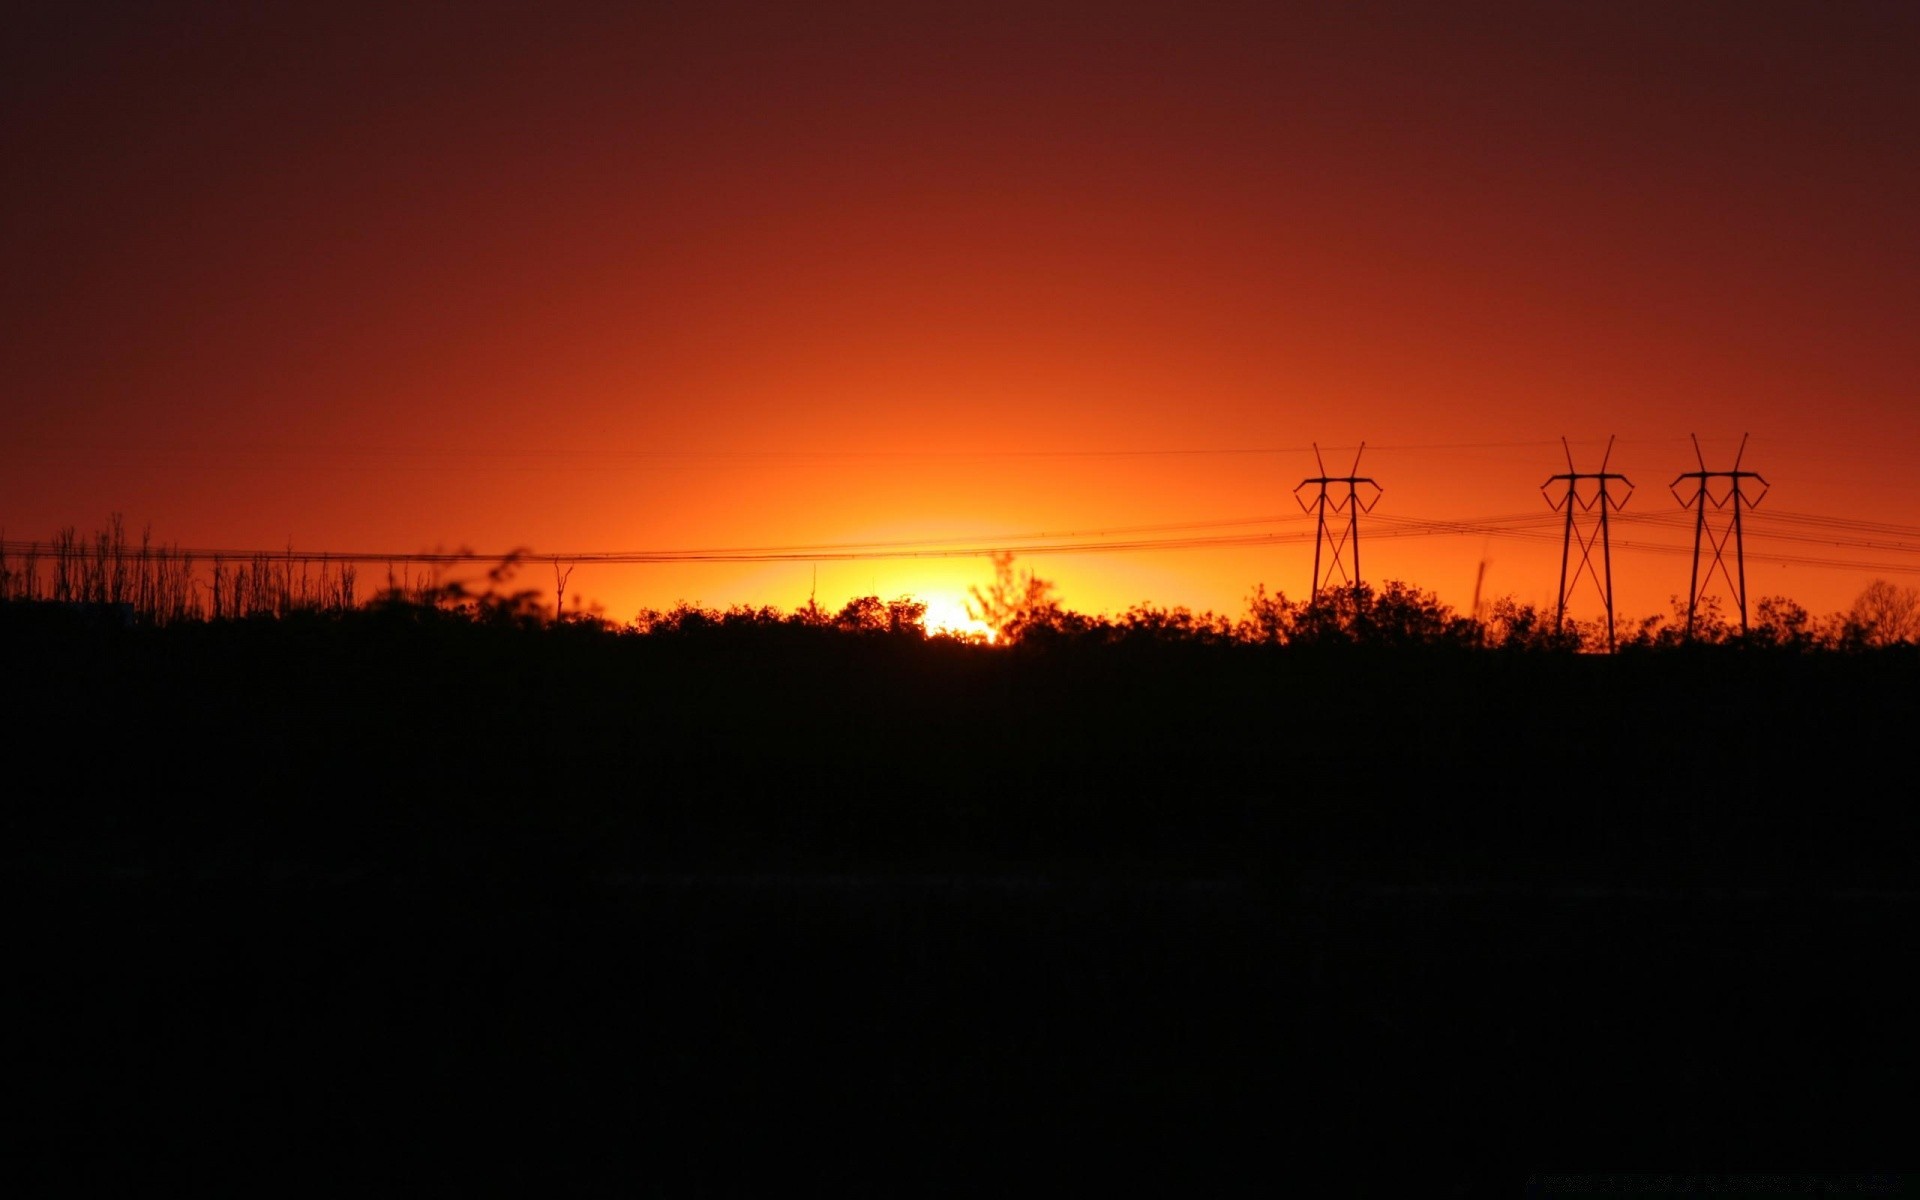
(580, 277)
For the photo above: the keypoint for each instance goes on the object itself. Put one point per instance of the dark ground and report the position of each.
(400, 908)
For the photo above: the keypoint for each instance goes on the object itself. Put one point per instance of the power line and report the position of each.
(420, 453)
(1763, 528)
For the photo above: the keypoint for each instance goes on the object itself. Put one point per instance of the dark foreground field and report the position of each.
(386, 906)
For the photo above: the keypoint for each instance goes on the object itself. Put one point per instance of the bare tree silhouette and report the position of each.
(1887, 612)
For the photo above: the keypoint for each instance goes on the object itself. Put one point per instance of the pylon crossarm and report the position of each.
(1765, 487)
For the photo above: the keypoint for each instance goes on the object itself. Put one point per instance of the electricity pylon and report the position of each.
(1732, 501)
(1342, 544)
(1599, 501)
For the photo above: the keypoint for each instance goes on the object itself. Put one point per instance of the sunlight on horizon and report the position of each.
(950, 616)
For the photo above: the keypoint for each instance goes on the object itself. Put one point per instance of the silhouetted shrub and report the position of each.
(1397, 615)
(1513, 626)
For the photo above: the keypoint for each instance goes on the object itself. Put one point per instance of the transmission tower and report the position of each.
(1342, 544)
(1730, 502)
(1598, 501)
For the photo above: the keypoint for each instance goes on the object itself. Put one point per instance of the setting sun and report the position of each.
(946, 615)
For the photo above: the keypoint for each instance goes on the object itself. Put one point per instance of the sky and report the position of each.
(871, 290)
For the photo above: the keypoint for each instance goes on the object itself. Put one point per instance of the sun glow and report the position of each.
(946, 615)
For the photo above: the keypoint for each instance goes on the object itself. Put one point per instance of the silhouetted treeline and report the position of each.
(110, 577)
(436, 891)
(755, 735)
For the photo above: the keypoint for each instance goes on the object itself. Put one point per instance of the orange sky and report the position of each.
(638, 277)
